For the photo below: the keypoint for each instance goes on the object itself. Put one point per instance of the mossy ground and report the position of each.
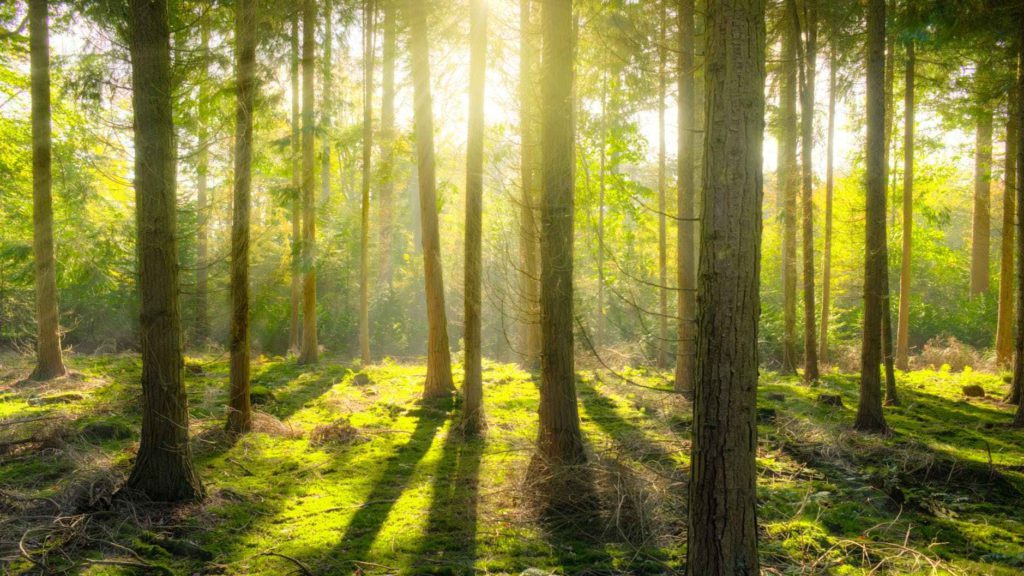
(348, 473)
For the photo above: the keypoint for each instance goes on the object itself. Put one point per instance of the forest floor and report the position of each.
(349, 474)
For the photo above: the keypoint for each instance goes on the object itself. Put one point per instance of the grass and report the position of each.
(348, 473)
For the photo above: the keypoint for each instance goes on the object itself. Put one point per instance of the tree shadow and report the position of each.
(291, 394)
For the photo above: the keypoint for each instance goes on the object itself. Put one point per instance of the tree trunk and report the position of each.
(722, 532)
(294, 332)
(685, 200)
(369, 18)
(472, 409)
(1018, 361)
(163, 469)
(202, 319)
(891, 396)
(326, 104)
(560, 442)
(50, 363)
(599, 330)
(662, 358)
(240, 406)
(528, 230)
(869, 410)
(981, 223)
(789, 182)
(1004, 326)
(387, 146)
(903, 325)
(310, 353)
(826, 265)
(439, 369)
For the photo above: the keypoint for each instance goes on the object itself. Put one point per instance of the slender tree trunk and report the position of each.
(890, 110)
(439, 369)
(50, 363)
(789, 183)
(240, 406)
(685, 201)
(1017, 387)
(560, 441)
(1004, 325)
(386, 194)
(722, 534)
(326, 104)
(903, 325)
(202, 319)
(662, 358)
(310, 353)
(826, 265)
(294, 332)
(369, 19)
(472, 409)
(869, 410)
(891, 396)
(163, 468)
(528, 232)
(981, 224)
(599, 332)
(890, 184)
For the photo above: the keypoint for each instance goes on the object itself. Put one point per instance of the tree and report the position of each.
(869, 410)
(528, 231)
(387, 143)
(202, 319)
(560, 442)
(294, 332)
(903, 323)
(981, 223)
(722, 534)
(327, 103)
(240, 406)
(49, 359)
(472, 410)
(826, 259)
(1018, 361)
(439, 369)
(310, 353)
(685, 201)
(789, 182)
(369, 11)
(662, 177)
(163, 469)
(1004, 324)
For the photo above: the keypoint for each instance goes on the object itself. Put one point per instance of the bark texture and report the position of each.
(981, 223)
(529, 306)
(1004, 326)
(685, 207)
(310, 353)
(163, 469)
(789, 183)
(1018, 360)
(294, 328)
(903, 322)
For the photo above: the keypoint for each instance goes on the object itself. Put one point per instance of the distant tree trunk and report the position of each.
(662, 358)
(891, 396)
(369, 10)
(603, 165)
(981, 223)
(163, 469)
(1018, 360)
(326, 104)
(890, 111)
(528, 233)
(826, 266)
(294, 332)
(903, 325)
(560, 441)
(808, 63)
(240, 406)
(50, 363)
(439, 369)
(685, 201)
(202, 319)
(1004, 326)
(387, 145)
(310, 353)
(789, 182)
(722, 531)
(472, 409)
(869, 410)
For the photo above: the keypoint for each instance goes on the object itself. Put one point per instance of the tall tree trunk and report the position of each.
(528, 230)
(662, 358)
(1004, 325)
(163, 468)
(903, 325)
(869, 410)
(326, 104)
(202, 319)
(603, 166)
(808, 64)
(685, 200)
(310, 353)
(560, 441)
(240, 406)
(294, 331)
(890, 109)
(50, 363)
(472, 409)
(386, 193)
(1017, 386)
(722, 524)
(826, 262)
(981, 223)
(789, 182)
(439, 369)
(369, 19)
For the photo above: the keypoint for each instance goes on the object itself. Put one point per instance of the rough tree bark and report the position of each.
(310, 353)
(903, 322)
(49, 360)
(240, 405)
(789, 183)
(981, 222)
(439, 369)
(1004, 325)
(472, 408)
(529, 305)
(869, 410)
(1018, 361)
(369, 18)
(685, 200)
(722, 533)
(294, 329)
(163, 469)
(826, 260)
